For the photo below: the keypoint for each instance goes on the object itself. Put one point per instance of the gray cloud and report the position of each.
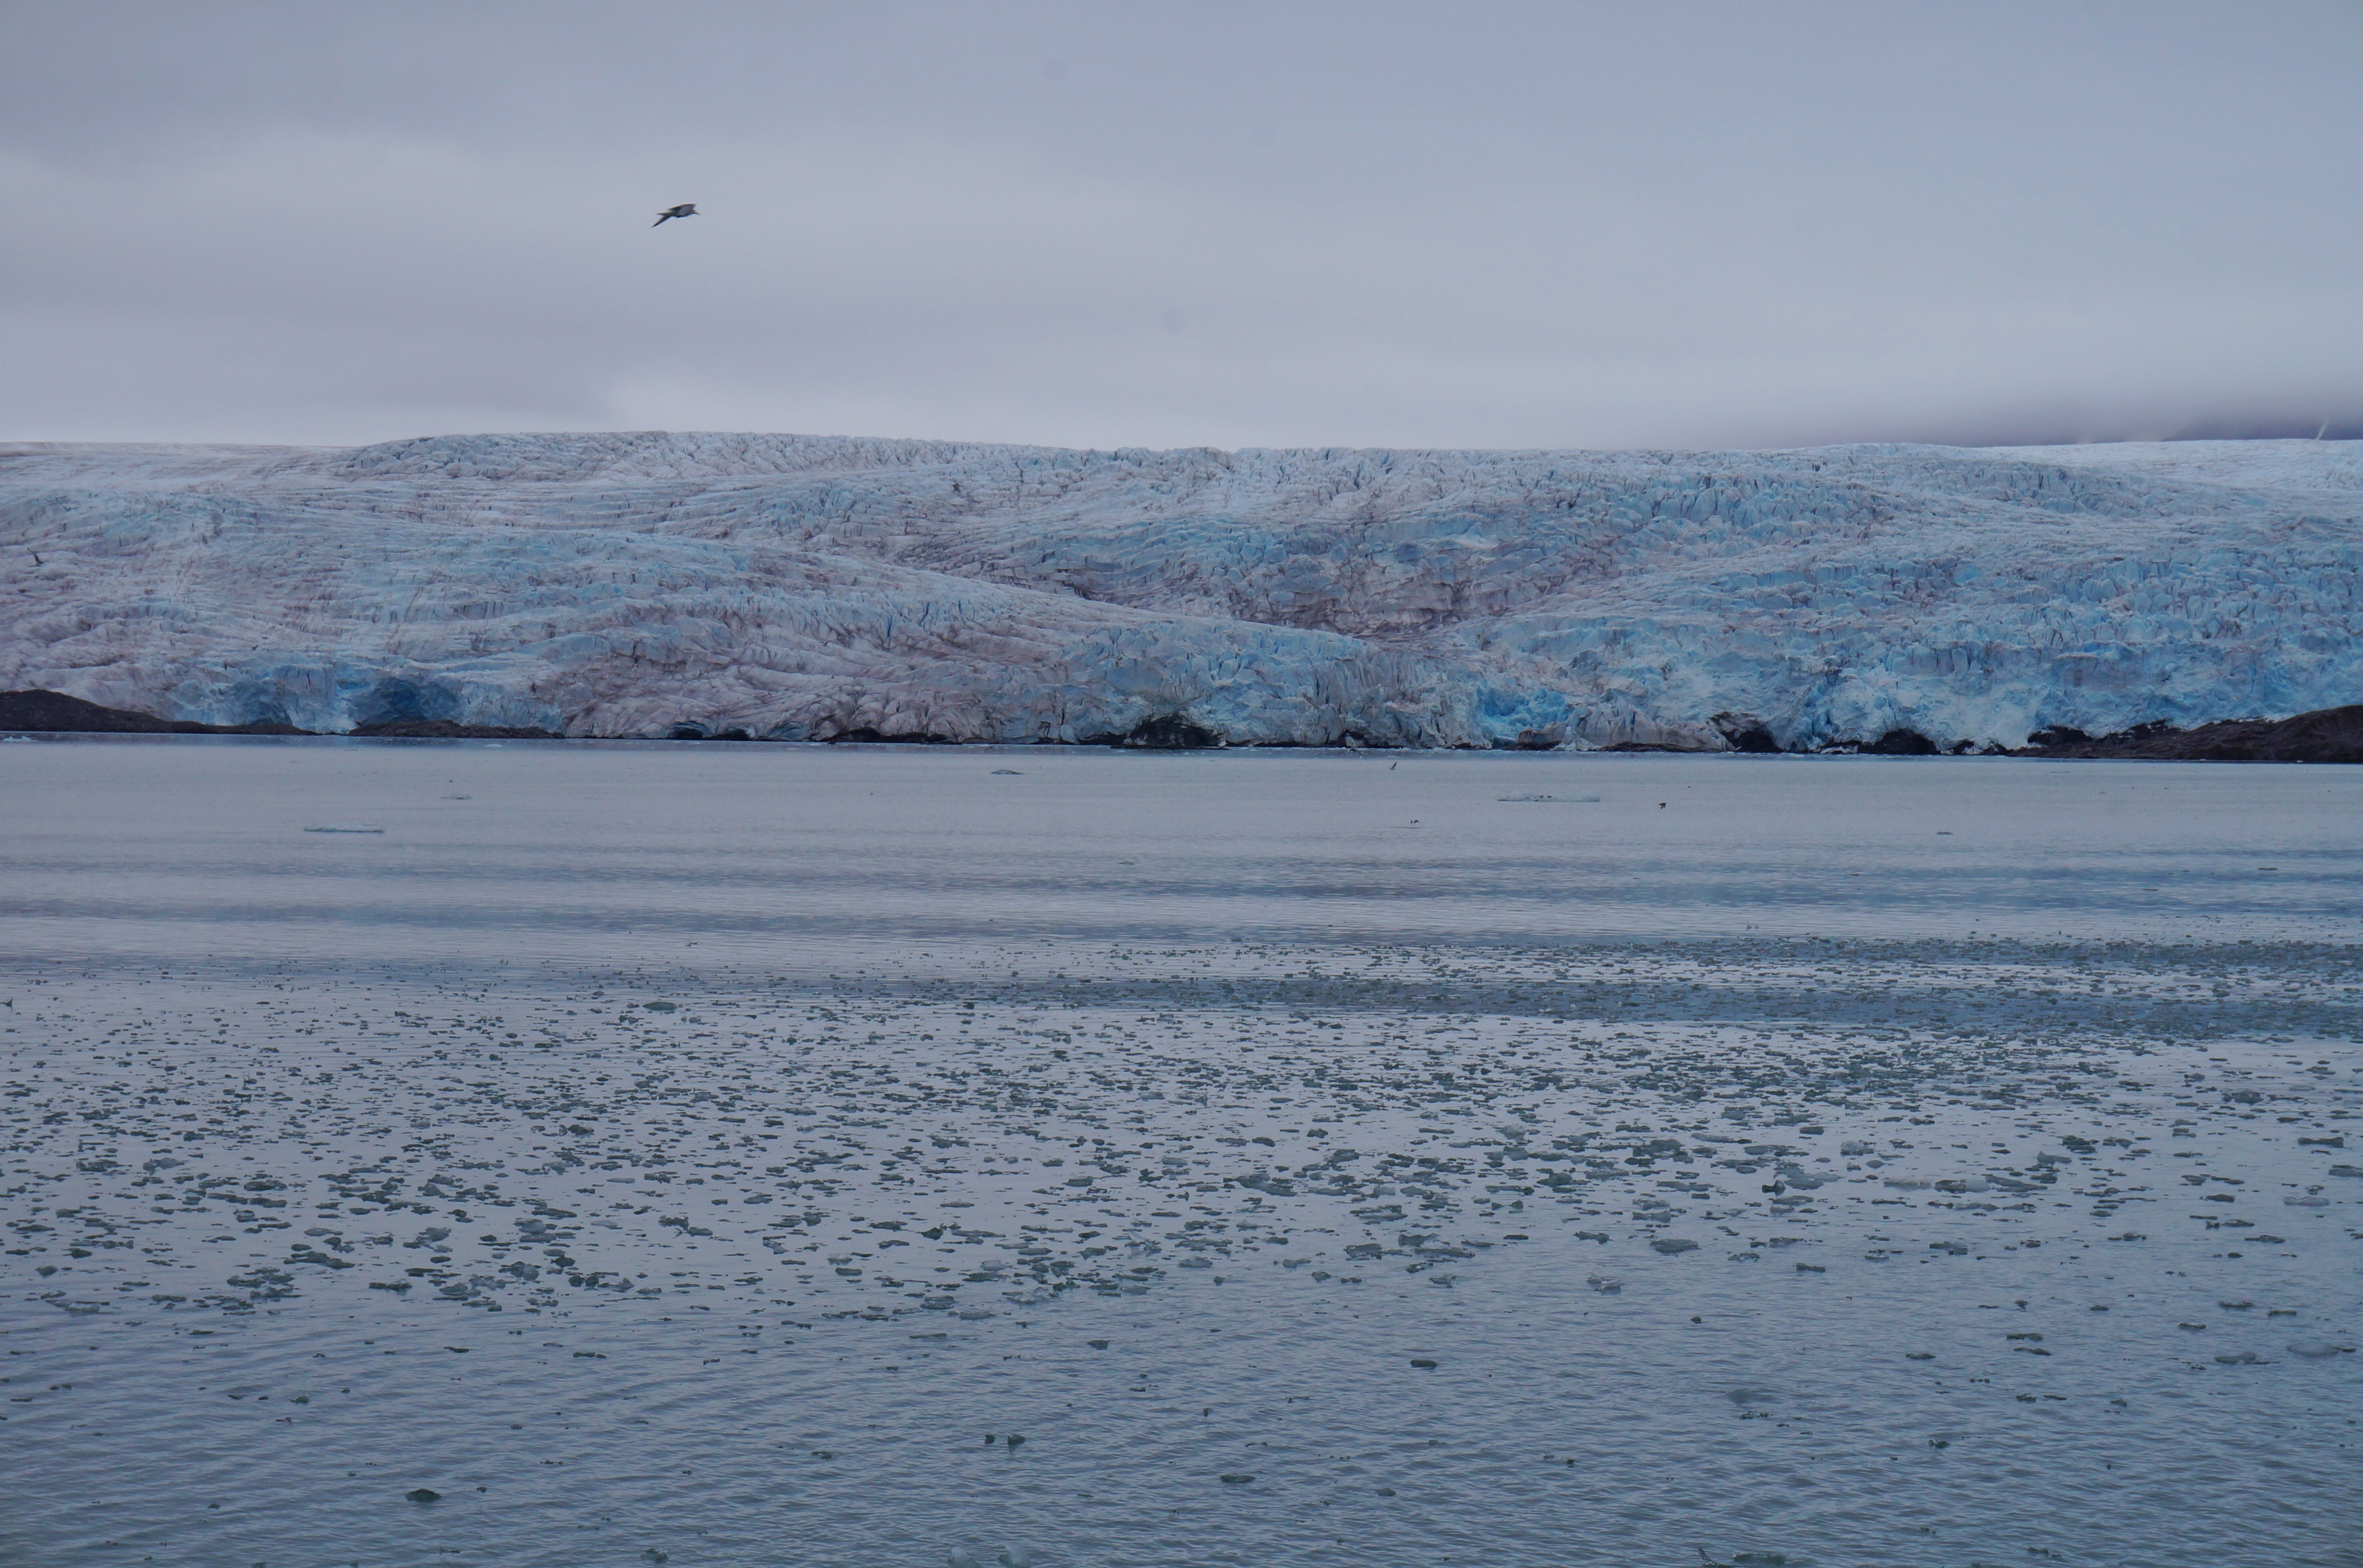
(1221, 223)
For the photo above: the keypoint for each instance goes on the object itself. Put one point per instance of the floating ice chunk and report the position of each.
(2318, 1350)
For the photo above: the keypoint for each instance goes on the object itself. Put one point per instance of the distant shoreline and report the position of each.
(2327, 735)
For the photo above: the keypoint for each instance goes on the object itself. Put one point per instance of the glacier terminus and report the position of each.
(799, 588)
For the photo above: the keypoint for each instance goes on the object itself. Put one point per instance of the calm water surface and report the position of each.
(778, 1155)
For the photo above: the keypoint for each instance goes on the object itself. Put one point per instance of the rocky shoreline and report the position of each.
(54, 713)
(2327, 735)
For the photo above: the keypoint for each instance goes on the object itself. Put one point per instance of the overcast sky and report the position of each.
(1172, 225)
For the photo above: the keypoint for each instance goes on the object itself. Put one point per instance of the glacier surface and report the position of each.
(811, 588)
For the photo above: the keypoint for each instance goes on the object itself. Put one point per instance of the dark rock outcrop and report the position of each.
(54, 713)
(862, 736)
(2326, 735)
(1902, 743)
(1746, 733)
(449, 729)
(1166, 732)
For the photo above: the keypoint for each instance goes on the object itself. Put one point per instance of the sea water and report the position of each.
(480, 1153)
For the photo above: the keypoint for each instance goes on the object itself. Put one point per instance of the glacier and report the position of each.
(801, 588)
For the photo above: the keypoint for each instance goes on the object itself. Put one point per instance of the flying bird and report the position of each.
(687, 209)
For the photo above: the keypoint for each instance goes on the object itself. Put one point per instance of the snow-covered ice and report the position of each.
(808, 588)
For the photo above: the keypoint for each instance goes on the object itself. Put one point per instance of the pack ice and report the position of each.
(808, 588)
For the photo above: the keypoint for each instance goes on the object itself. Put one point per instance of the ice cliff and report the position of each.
(810, 587)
